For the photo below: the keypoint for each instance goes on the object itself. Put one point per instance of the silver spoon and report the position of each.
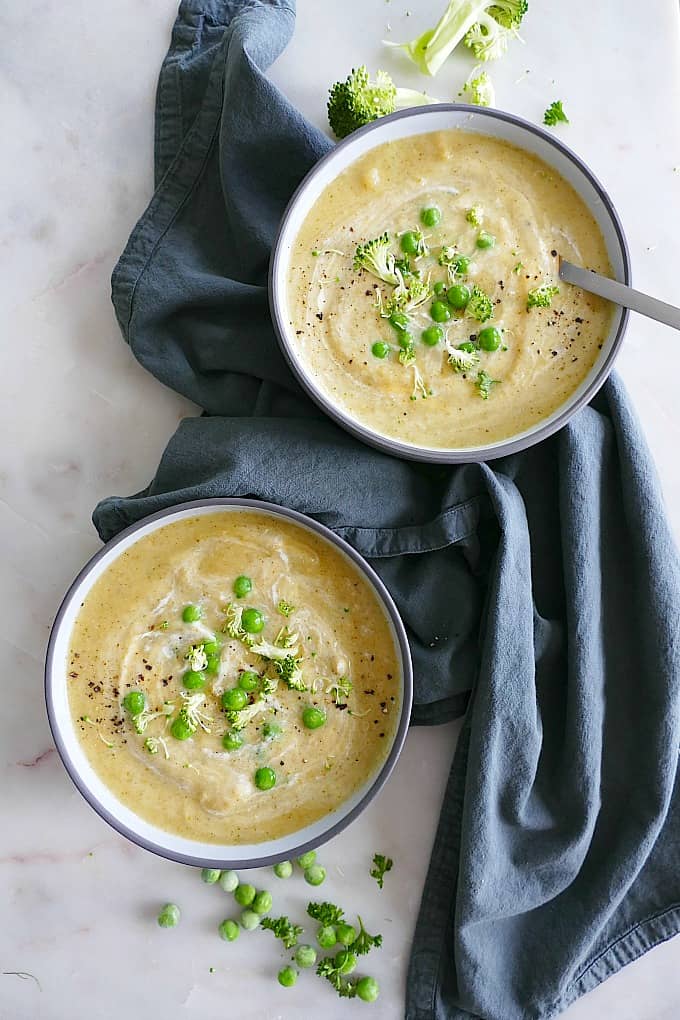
(619, 293)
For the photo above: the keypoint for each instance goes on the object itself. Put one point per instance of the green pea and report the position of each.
(315, 875)
(485, 240)
(169, 916)
(409, 242)
(265, 778)
(249, 681)
(313, 718)
(287, 977)
(245, 894)
(242, 586)
(439, 288)
(284, 869)
(326, 936)
(305, 956)
(399, 320)
(229, 880)
(430, 216)
(345, 961)
(229, 931)
(180, 728)
(346, 933)
(232, 740)
(405, 341)
(213, 664)
(368, 989)
(213, 647)
(271, 730)
(262, 903)
(249, 920)
(468, 347)
(134, 702)
(490, 338)
(193, 680)
(210, 875)
(440, 311)
(380, 349)
(191, 613)
(252, 621)
(432, 335)
(234, 699)
(461, 264)
(458, 296)
(306, 860)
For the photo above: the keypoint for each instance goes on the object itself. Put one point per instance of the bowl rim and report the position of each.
(62, 743)
(432, 455)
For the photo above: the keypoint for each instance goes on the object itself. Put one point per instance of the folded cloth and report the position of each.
(541, 592)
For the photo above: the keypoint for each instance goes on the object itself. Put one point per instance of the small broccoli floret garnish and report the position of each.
(289, 672)
(541, 297)
(358, 100)
(460, 359)
(478, 89)
(375, 257)
(407, 355)
(142, 720)
(484, 383)
(152, 745)
(234, 625)
(193, 713)
(475, 215)
(341, 690)
(485, 28)
(456, 263)
(480, 305)
(555, 114)
(286, 638)
(285, 608)
(267, 650)
(406, 296)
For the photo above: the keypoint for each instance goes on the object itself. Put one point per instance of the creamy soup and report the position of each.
(484, 222)
(233, 678)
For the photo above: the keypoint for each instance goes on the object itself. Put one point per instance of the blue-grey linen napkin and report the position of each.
(540, 593)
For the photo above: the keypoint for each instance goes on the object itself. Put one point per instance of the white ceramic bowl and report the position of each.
(418, 121)
(106, 804)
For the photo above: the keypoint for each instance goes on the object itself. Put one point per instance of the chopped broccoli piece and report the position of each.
(289, 671)
(555, 114)
(197, 658)
(486, 29)
(456, 263)
(269, 651)
(142, 719)
(407, 296)
(541, 297)
(475, 215)
(484, 382)
(480, 306)
(341, 690)
(375, 257)
(358, 100)
(192, 711)
(285, 608)
(407, 355)
(479, 90)
(461, 360)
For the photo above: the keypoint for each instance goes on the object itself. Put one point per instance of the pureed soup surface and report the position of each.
(439, 396)
(130, 636)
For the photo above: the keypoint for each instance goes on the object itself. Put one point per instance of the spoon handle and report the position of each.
(620, 294)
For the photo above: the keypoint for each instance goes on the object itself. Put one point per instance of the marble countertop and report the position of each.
(81, 419)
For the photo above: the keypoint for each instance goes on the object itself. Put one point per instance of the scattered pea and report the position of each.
(432, 335)
(439, 288)
(315, 875)
(232, 740)
(229, 931)
(194, 680)
(213, 664)
(485, 240)
(409, 242)
(458, 296)
(242, 586)
(229, 880)
(305, 956)
(262, 903)
(265, 778)
(252, 621)
(430, 216)
(345, 961)
(399, 320)
(287, 977)
(326, 936)
(380, 349)
(313, 717)
(234, 699)
(213, 647)
(368, 989)
(134, 702)
(191, 613)
(405, 341)
(249, 920)
(346, 933)
(440, 311)
(284, 869)
(245, 894)
(270, 730)
(169, 916)
(248, 681)
(180, 728)
(490, 338)
(306, 860)
(210, 875)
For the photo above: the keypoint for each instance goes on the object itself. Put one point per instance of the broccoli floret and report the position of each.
(358, 100)
(475, 215)
(555, 114)
(479, 90)
(456, 263)
(460, 359)
(407, 296)
(407, 355)
(289, 672)
(375, 257)
(484, 382)
(480, 305)
(485, 27)
(541, 297)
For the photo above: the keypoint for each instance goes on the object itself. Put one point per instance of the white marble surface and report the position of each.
(80, 419)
